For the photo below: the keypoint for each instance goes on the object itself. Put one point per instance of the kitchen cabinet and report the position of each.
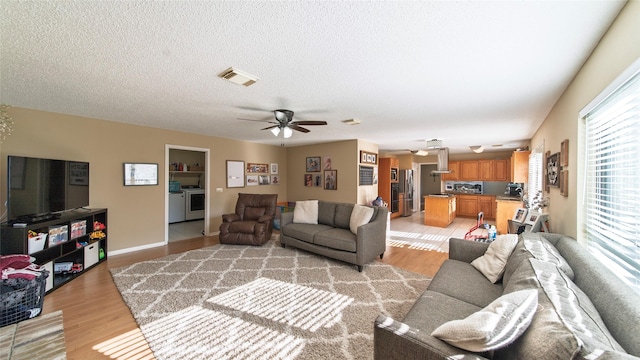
(469, 170)
(504, 212)
(501, 171)
(487, 204)
(467, 205)
(454, 167)
(486, 170)
(439, 211)
(520, 166)
(387, 179)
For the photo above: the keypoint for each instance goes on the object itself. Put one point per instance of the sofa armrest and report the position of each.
(394, 340)
(286, 218)
(371, 238)
(230, 217)
(466, 250)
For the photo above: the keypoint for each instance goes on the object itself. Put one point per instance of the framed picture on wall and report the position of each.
(313, 164)
(235, 174)
(553, 170)
(137, 174)
(331, 179)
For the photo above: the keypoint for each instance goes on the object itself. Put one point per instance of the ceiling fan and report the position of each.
(284, 122)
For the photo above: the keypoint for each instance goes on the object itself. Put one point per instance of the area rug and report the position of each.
(268, 302)
(39, 338)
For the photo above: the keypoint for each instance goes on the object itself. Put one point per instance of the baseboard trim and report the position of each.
(135, 248)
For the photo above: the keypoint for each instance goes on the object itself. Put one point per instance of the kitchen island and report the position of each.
(439, 210)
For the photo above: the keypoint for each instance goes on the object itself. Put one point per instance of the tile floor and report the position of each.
(186, 230)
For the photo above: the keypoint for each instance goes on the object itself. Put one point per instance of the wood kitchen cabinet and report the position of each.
(487, 204)
(520, 166)
(469, 170)
(501, 171)
(387, 175)
(504, 212)
(439, 211)
(486, 170)
(467, 205)
(454, 167)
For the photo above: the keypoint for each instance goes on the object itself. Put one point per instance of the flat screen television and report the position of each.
(38, 188)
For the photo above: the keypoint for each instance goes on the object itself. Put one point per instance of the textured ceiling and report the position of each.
(468, 72)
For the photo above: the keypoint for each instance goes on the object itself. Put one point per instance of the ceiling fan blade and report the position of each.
(309, 122)
(299, 128)
(271, 127)
(256, 120)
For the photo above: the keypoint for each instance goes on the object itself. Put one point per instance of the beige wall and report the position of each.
(344, 158)
(616, 51)
(136, 213)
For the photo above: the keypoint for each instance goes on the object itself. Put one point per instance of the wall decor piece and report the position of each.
(137, 174)
(553, 170)
(263, 179)
(564, 153)
(368, 157)
(520, 215)
(274, 168)
(331, 179)
(366, 175)
(235, 174)
(308, 180)
(275, 180)
(313, 164)
(545, 180)
(257, 168)
(252, 180)
(564, 183)
(532, 218)
(317, 181)
(326, 160)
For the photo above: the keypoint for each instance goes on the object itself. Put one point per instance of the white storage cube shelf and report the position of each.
(91, 254)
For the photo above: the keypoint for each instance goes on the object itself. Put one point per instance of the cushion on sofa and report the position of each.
(566, 325)
(494, 260)
(543, 250)
(336, 238)
(326, 213)
(462, 281)
(343, 215)
(306, 212)
(493, 327)
(360, 215)
(304, 232)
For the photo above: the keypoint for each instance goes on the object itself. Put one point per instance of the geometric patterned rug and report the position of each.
(246, 302)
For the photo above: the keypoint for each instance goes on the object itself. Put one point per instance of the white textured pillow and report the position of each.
(495, 326)
(492, 263)
(306, 212)
(360, 215)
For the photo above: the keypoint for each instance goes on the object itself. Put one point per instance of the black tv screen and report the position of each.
(43, 186)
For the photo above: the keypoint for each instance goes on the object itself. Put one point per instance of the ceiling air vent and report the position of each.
(238, 77)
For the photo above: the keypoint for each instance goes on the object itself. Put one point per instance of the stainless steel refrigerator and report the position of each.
(406, 189)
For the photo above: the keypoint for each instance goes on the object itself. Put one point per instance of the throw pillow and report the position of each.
(493, 327)
(492, 263)
(306, 212)
(543, 250)
(360, 215)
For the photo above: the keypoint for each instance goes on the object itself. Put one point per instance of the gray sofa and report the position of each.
(607, 329)
(332, 236)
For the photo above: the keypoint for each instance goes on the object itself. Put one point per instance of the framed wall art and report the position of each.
(326, 160)
(140, 174)
(564, 153)
(275, 180)
(564, 183)
(274, 168)
(313, 164)
(331, 179)
(520, 215)
(253, 168)
(263, 179)
(368, 157)
(235, 174)
(553, 170)
(252, 180)
(317, 181)
(308, 180)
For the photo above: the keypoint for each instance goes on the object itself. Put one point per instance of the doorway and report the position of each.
(429, 183)
(187, 173)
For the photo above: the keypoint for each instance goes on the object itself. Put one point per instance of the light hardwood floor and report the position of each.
(98, 324)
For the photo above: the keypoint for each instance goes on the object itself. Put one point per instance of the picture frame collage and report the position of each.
(256, 174)
(320, 173)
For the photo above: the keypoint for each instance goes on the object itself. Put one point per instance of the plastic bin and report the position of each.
(281, 208)
(21, 299)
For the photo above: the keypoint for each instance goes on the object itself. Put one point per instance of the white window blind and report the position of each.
(535, 174)
(612, 181)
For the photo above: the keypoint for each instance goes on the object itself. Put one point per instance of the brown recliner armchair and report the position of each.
(252, 222)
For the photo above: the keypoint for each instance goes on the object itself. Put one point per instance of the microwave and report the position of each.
(394, 174)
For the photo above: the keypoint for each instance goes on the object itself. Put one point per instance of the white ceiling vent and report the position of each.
(238, 77)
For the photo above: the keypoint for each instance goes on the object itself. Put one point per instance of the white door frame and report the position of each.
(207, 174)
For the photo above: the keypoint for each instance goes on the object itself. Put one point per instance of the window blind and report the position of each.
(612, 181)
(535, 174)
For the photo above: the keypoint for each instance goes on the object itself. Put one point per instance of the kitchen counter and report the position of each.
(505, 210)
(439, 210)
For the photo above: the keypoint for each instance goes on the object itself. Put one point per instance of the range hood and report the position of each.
(443, 161)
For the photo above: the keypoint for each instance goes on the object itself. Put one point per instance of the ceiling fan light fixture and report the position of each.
(275, 131)
(434, 144)
(351, 121)
(420, 152)
(287, 132)
(477, 149)
(238, 77)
